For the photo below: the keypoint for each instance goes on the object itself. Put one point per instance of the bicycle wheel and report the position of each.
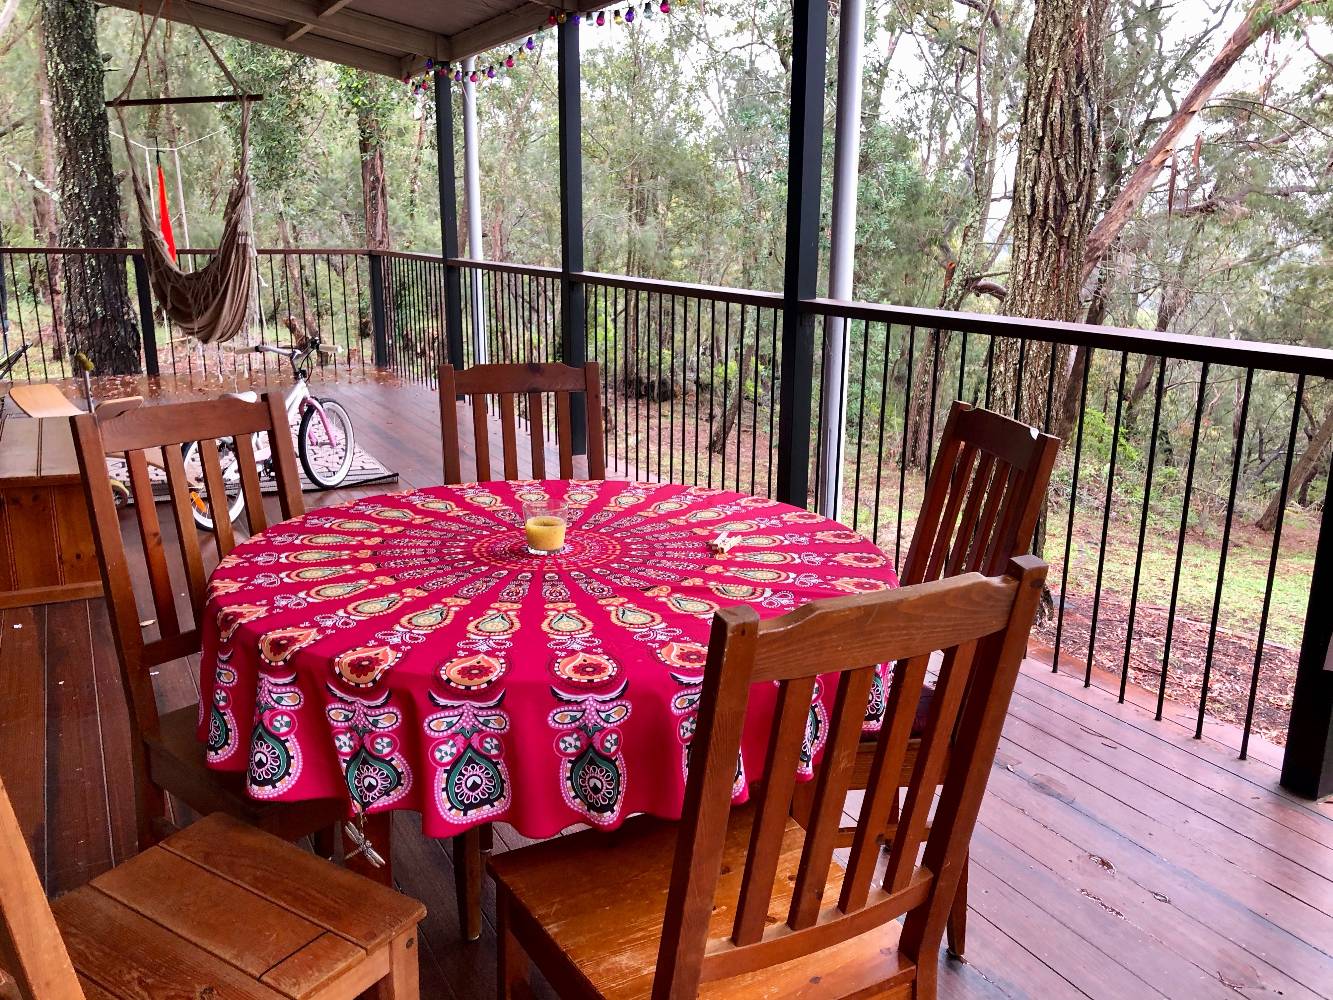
(326, 446)
(231, 482)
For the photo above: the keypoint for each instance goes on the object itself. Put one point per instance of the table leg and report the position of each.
(467, 879)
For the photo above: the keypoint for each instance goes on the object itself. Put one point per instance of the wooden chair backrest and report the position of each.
(163, 430)
(31, 950)
(981, 626)
(983, 497)
(508, 382)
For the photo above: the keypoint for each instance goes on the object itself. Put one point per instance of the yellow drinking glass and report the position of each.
(544, 525)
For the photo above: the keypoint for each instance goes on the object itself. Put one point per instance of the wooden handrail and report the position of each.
(1289, 358)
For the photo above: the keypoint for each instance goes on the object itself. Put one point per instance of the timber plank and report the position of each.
(23, 723)
(244, 930)
(78, 834)
(134, 957)
(1172, 909)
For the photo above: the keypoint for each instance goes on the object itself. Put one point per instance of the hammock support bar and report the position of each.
(147, 102)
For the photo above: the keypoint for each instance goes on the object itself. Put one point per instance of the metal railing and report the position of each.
(1184, 517)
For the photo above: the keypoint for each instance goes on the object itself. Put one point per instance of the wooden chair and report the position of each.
(219, 909)
(167, 757)
(743, 902)
(508, 382)
(983, 498)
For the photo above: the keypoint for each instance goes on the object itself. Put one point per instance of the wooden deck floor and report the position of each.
(1116, 856)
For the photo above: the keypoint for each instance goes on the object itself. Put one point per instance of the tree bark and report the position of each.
(1304, 469)
(43, 203)
(1055, 187)
(98, 312)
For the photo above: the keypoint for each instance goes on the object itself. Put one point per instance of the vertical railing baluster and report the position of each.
(1106, 517)
(1143, 527)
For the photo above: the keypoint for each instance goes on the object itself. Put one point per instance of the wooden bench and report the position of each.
(46, 544)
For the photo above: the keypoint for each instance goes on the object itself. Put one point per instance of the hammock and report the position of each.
(218, 301)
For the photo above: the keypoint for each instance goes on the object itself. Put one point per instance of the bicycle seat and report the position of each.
(249, 396)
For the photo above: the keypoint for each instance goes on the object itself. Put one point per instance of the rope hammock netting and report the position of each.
(218, 301)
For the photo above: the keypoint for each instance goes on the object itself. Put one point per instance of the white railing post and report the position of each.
(842, 256)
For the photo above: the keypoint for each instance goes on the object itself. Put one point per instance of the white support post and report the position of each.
(842, 257)
(472, 198)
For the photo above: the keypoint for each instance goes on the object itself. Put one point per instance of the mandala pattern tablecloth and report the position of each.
(405, 651)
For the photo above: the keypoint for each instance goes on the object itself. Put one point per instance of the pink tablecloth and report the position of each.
(405, 651)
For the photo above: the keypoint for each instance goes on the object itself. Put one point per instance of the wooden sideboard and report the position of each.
(46, 545)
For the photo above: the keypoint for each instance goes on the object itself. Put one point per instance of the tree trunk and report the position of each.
(1257, 23)
(44, 206)
(1305, 469)
(374, 191)
(1055, 184)
(98, 311)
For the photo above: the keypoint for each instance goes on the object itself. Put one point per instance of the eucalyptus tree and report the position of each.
(98, 313)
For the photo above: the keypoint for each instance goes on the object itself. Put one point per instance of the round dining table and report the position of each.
(405, 651)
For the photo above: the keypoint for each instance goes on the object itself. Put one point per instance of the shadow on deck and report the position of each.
(1116, 856)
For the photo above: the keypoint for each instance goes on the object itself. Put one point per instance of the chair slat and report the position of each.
(187, 535)
(283, 454)
(217, 497)
(596, 436)
(564, 435)
(981, 539)
(538, 434)
(481, 437)
(449, 425)
(954, 675)
(968, 522)
(958, 484)
(1008, 521)
(880, 804)
(255, 515)
(509, 435)
(832, 779)
(784, 750)
(150, 531)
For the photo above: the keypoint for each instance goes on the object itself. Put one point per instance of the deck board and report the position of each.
(1116, 855)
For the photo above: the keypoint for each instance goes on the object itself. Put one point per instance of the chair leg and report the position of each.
(403, 981)
(512, 970)
(955, 928)
(325, 843)
(153, 820)
(467, 881)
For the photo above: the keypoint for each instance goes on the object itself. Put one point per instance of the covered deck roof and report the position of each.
(392, 37)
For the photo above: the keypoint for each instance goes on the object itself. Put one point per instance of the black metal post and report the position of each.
(809, 41)
(4, 297)
(1307, 765)
(147, 327)
(378, 314)
(448, 184)
(573, 321)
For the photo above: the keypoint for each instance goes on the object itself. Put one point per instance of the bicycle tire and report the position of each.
(337, 415)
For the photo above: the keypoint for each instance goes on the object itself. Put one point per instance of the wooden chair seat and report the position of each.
(577, 913)
(176, 761)
(221, 909)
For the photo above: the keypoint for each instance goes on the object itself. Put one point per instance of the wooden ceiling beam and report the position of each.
(350, 26)
(253, 29)
(503, 28)
(295, 29)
